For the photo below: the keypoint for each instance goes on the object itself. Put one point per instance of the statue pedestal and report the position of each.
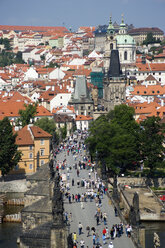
(58, 237)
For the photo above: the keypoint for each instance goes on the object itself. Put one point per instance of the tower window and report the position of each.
(111, 46)
(125, 55)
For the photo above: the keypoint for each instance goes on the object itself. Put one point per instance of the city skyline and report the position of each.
(72, 13)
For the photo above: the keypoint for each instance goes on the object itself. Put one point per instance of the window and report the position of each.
(30, 148)
(84, 122)
(81, 107)
(111, 46)
(125, 55)
(159, 79)
(42, 141)
(82, 113)
(30, 166)
(137, 92)
(159, 73)
(153, 73)
(145, 92)
(153, 91)
(42, 162)
(89, 107)
(89, 113)
(60, 97)
(158, 91)
(30, 155)
(42, 152)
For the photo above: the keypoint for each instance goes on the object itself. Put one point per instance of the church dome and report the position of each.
(125, 39)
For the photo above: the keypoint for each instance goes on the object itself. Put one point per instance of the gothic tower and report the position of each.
(110, 44)
(114, 83)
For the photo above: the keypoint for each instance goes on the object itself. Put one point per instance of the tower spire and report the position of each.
(110, 29)
(122, 18)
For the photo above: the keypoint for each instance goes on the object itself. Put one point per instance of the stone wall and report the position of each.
(33, 220)
(137, 181)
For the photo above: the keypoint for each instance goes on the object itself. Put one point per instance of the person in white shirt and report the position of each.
(110, 245)
(82, 243)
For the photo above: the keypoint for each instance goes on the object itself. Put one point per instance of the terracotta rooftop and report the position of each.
(24, 136)
(83, 118)
(39, 133)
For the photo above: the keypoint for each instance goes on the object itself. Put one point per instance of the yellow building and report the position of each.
(32, 140)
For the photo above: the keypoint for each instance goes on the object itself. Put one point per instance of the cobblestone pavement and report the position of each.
(86, 215)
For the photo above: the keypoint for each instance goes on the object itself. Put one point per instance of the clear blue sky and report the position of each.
(75, 13)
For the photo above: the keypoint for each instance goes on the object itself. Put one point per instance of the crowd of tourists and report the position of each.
(92, 190)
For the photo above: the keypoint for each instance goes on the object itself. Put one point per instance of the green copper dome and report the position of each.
(125, 39)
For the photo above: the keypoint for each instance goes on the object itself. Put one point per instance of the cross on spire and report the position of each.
(122, 18)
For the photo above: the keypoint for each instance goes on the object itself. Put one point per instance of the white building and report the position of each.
(61, 99)
(83, 122)
(56, 74)
(30, 74)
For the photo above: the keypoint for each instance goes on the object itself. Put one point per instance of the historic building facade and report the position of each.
(123, 42)
(114, 84)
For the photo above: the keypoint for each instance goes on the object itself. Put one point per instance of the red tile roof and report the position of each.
(24, 137)
(39, 133)
(83, 118)
(151, 66)
(152, 90)
(33, 28)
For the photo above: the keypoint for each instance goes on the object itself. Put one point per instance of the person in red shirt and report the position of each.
(104, 231)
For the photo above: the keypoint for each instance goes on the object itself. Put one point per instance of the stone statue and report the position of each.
(134, 214)
(136, 207)
(57, 203)
(115, 193)
(156, 240)
(52, 172)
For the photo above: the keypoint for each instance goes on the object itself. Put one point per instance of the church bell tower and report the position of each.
(110, 44)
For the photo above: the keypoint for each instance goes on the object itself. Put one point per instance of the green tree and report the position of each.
(46, 124)
(150, 39)
(6, 43)
(9, 155)
(115, 139)
(63, 132)
(27, 114)
(18, 58)
(152, 149)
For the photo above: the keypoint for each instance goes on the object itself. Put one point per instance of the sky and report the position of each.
(76, 13)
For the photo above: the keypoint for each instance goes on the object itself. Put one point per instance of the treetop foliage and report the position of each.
(119, 141)
(27, 114)
(9, 155)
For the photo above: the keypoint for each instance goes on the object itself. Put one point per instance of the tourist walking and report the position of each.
(82, 243)
(80, 227)
(110, 245)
